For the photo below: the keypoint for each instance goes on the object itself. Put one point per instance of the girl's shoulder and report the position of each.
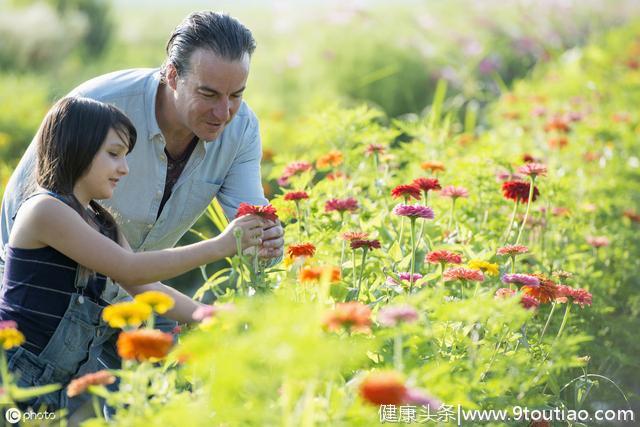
(34, 215)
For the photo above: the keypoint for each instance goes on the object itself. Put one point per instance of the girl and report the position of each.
(64, 245)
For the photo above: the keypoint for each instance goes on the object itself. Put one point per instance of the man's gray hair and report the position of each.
(223, 35)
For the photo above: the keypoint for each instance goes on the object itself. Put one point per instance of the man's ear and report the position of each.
(171, 76)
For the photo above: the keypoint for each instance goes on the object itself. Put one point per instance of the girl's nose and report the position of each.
(123, 167)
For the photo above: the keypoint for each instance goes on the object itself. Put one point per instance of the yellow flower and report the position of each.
(126, 314)
(10, 337)
(158, 301)
(484, 266)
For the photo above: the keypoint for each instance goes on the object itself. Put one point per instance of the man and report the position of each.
(197, 140)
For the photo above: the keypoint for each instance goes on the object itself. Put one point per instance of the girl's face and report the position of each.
(106, 169)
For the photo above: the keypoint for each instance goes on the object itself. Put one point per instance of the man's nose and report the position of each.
(222, 109)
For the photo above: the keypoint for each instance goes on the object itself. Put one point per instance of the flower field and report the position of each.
(430, 265)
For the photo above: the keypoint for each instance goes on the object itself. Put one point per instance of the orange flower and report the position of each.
(383, 388)
(465, 139)
(546, 291)
(559, 142)
(353, 316)
(557, 123)
(332, 158)
(315, 274)
(80, 385)
(632, 215)
(144, 344)
(432, 166)
(301, 249)
(511, 115)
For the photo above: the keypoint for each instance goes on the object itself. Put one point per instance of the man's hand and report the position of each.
(272, 241)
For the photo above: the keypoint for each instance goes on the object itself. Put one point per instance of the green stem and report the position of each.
(96, 407)
(546, 325)
(505, 238)
(526, 213)
(299, 219)
(364, 257)
(564, 320)
(442, 273)
(353, 268)
(342, 256)
(413, 253)
(397, 353)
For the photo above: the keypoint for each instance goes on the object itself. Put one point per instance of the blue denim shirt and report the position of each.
(227, 168)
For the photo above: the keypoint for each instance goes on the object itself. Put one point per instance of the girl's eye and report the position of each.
(113, 154)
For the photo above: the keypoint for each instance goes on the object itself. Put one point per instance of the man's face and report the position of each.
(209, 94)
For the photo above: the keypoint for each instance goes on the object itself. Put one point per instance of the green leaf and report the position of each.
(22, 394)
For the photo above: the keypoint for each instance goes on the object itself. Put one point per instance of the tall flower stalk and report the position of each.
(533, 170)
(454, 193)
(366, 245)
(413, 212)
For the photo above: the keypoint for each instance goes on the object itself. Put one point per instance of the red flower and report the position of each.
(374, 149)
(427, 184)
(407, 191)
(267, 212)
(529, 302)
(518, 191)
(364, 243)
(350, 204)
(301, 249)
(443, 257)
(383, 388)
(296, 195)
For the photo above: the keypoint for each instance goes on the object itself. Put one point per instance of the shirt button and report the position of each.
(149, 226)
(163, 157)
(158, 193)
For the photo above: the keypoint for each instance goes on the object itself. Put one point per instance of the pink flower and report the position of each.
(341, 205)
(579, 296)
(208, 311)
(533, 169)
(443, 257)
(414, 396)
(598, 241)
(454, 192)
(292, 169)
(521, 279)
(391, 316)
(405, 277)
(513, 250)
(464, 274)
(8, 324)
(504, 293)
(414, 211)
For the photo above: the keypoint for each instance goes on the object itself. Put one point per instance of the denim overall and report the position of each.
(80, 333)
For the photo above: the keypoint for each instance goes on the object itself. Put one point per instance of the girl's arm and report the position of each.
(182, 311)
(50, 222)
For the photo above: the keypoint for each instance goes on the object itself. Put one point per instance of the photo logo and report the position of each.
(13, 415)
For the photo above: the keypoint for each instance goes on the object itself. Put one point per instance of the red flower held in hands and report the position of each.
(341, 205)
(267, 212)
(296, 195)
(518, 191)
(407, 191)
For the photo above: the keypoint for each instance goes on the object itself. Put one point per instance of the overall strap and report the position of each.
(42, 191)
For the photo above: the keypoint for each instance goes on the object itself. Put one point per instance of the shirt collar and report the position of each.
(150, 93)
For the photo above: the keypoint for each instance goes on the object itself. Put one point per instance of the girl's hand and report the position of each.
(252, 229)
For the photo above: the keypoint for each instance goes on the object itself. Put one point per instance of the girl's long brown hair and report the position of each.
(68, 139)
